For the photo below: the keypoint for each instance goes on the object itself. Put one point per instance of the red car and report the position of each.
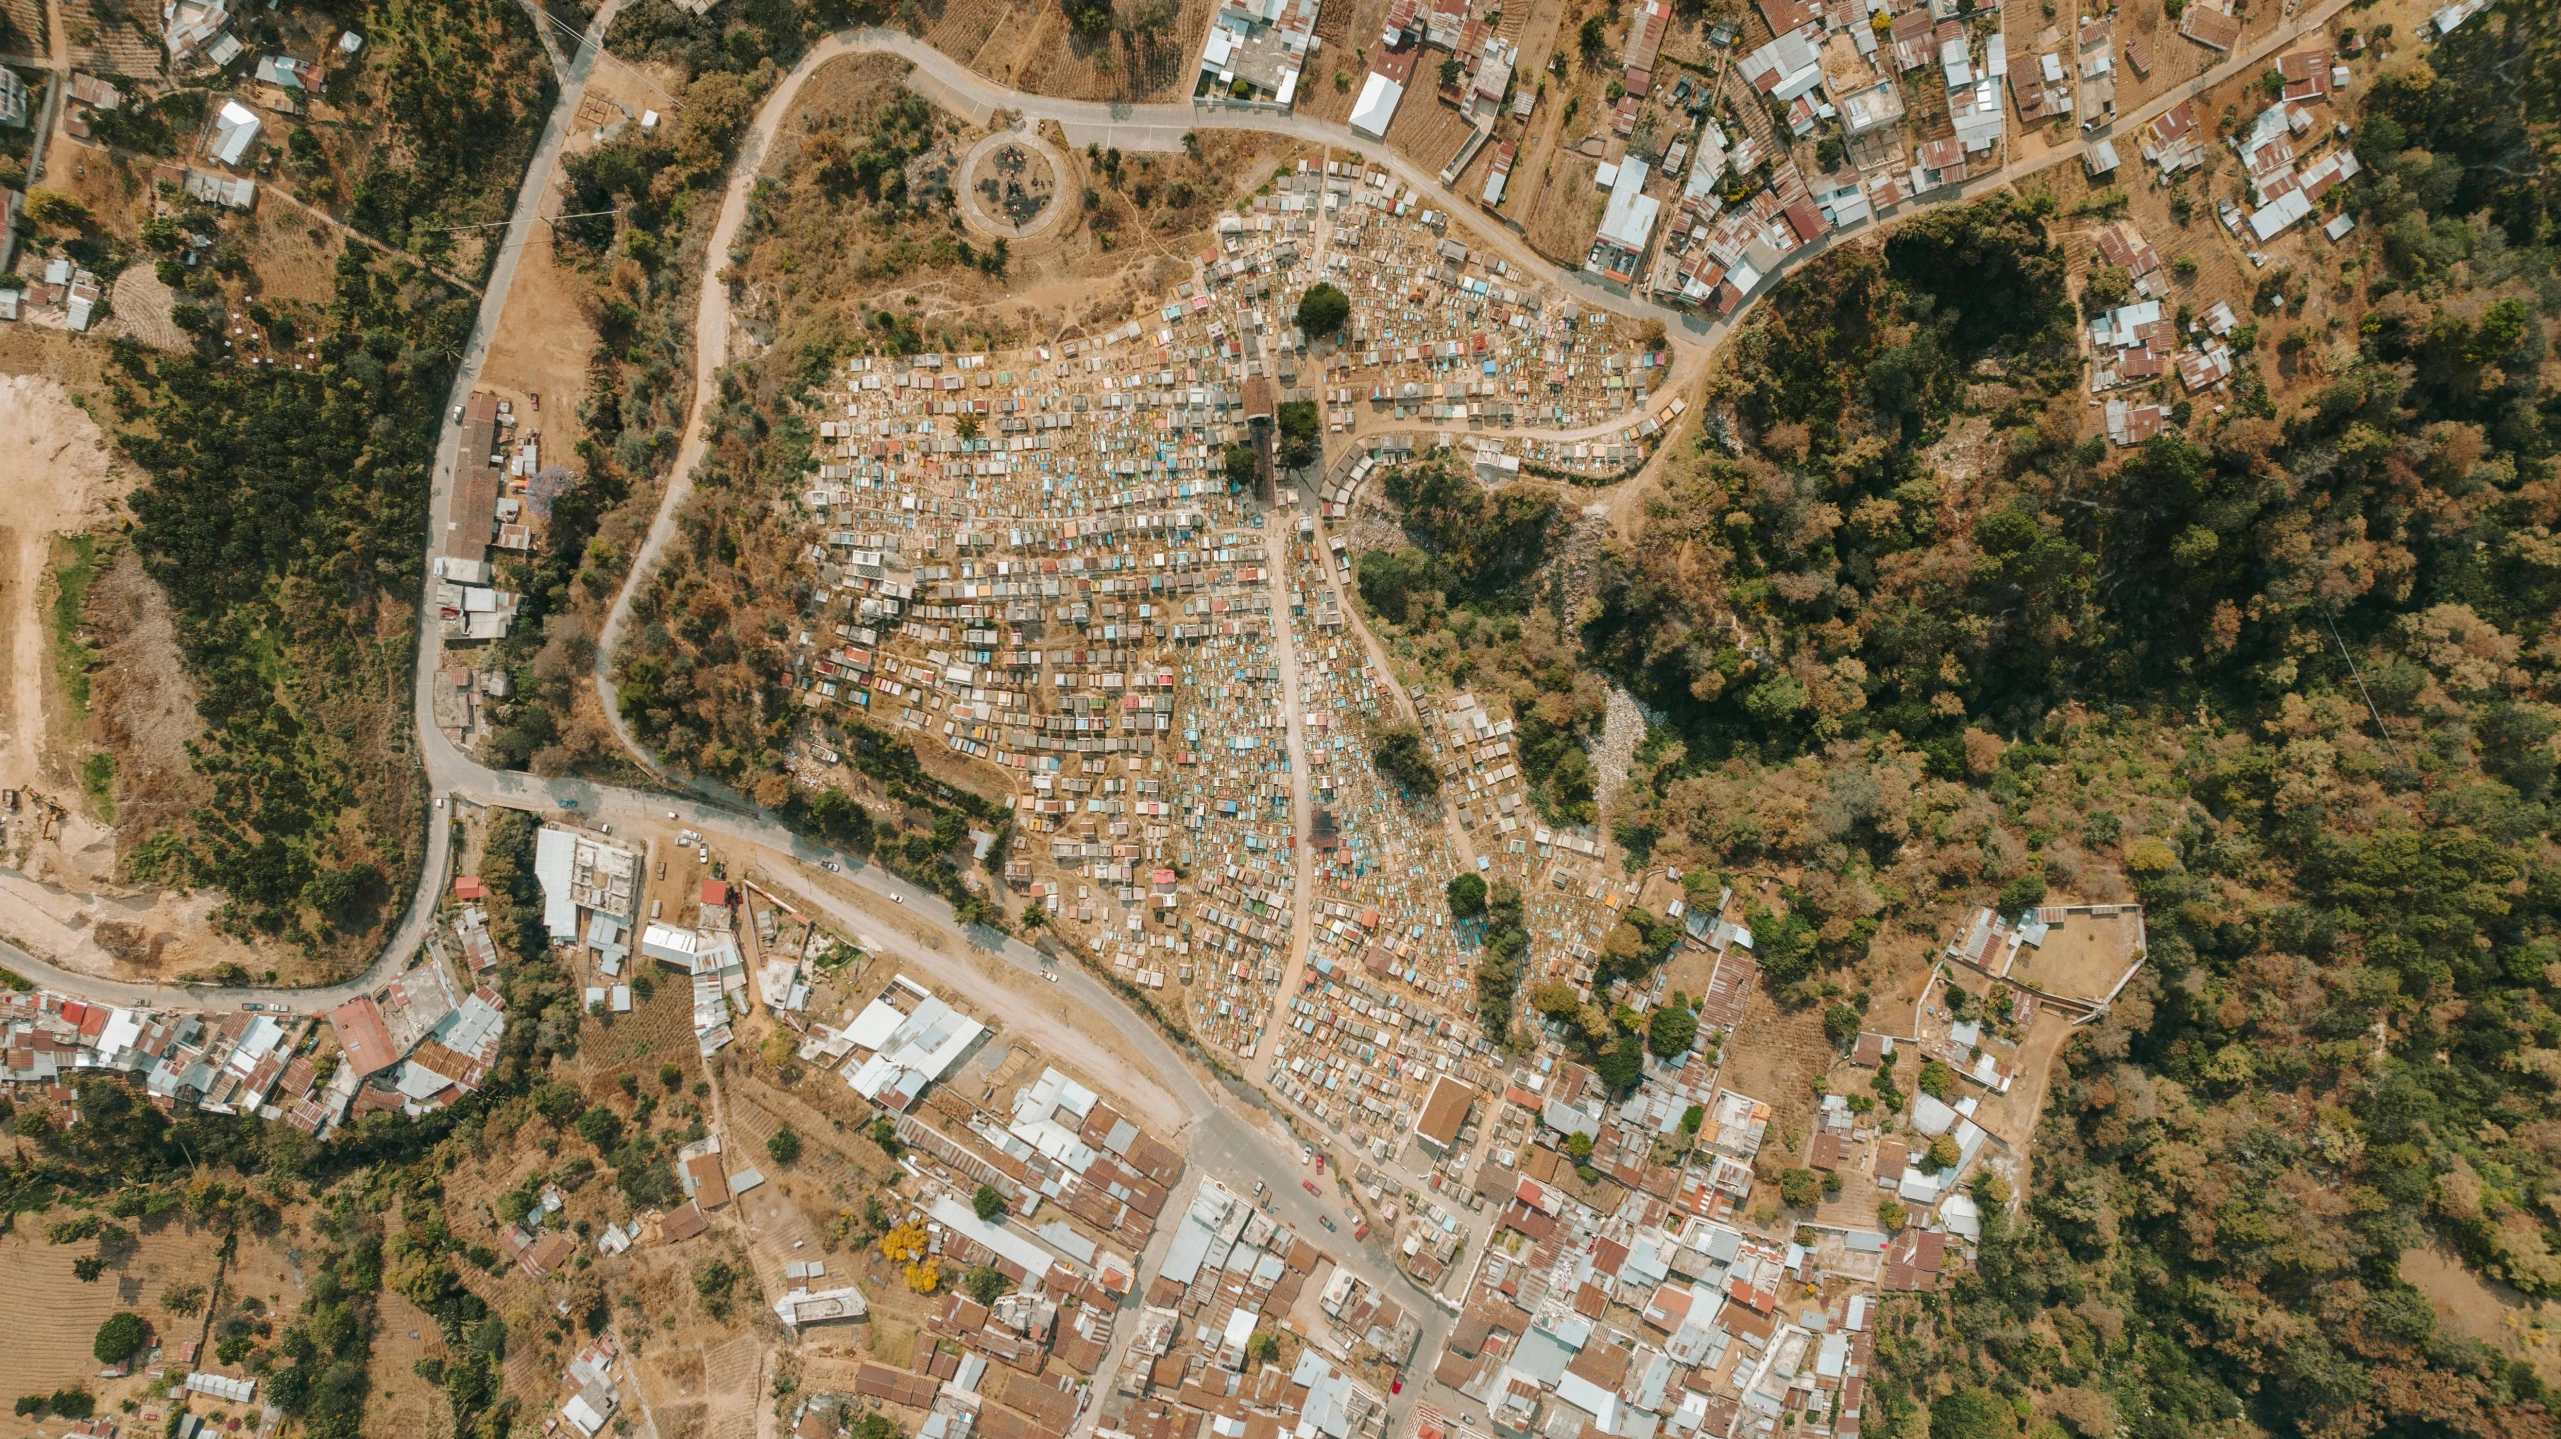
(1310, 1186)
(1396, 1386)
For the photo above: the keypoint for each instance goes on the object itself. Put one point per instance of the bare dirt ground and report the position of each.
(68, 482)
(2492, 1313)
(546, 336)
(1777, 1056)
(143, 700)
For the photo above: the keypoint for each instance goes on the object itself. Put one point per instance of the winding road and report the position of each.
(1233, 1128)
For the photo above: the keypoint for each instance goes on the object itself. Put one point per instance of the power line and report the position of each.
(2370, 706)
(551, 220)
(585, 39)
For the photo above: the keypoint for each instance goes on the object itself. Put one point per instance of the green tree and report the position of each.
(1943, 1153)
(1323, 310)
(1400, 758)
(1301, 434)
(120, 1338)
(989, 1201)
(984, 1283)
(1466, 896)
(783, 1146)
(1937, 1080)
(1671, 1032)
(1972, 1414)
(1800, 1188)
(1387, 579)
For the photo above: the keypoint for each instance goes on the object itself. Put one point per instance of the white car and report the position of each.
(671, 814)
(1050, 974)
(897, 898)
(831, 866)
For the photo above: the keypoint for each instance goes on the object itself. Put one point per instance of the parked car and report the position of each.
(1310, 1186)
(831, 866)
(1328, 1223)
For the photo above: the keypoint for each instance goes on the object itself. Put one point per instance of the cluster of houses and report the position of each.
(502, 498)
(2293, 165)
(1255, 51)
(1840, 66)
(199, 40)
(414, 1045)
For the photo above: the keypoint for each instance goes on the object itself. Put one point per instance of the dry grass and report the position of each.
(1559, 217)
(36, 1277)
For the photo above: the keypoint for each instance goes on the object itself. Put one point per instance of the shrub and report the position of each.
(784, 1146)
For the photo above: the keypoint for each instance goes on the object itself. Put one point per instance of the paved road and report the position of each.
(1233, 1130)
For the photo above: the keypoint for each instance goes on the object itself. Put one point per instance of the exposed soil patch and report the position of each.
(144, 700)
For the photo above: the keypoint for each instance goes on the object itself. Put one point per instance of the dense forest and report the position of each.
(2285, 673)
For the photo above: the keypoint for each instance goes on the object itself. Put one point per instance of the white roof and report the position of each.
(1629, 221)
(1961, 1217)
(1592, 1399)
(918, 1050)
(553, 851)
(1007, 1241)
(235, 130)
(665, 941)
(1376, 106)
(2280, 214)
(871, 1029)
